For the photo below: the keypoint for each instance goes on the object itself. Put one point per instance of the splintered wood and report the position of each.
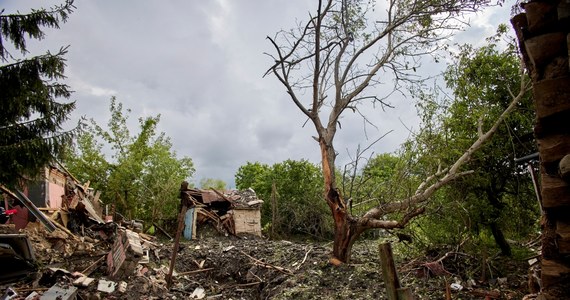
(260, 263)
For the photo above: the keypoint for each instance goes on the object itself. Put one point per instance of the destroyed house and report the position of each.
(49, 189)
(233, 212)
(54, 191)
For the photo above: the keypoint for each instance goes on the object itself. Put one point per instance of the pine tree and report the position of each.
(31, 118)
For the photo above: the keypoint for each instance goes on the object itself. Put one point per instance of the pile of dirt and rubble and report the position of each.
(79, 250)
(230, 267)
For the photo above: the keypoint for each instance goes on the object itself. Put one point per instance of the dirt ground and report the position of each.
(220, 267)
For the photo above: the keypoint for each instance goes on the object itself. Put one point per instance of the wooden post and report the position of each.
(184, 201)
(393, 289)
(274, 215)
(389, 271)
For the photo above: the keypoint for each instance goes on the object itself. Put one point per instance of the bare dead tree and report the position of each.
(335, 60)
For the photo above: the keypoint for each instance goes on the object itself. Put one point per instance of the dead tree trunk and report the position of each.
(543, 34)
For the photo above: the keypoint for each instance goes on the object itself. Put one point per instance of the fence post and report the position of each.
(393, 289)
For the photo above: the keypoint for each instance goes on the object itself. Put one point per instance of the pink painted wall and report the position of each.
(55, 193)
(56, 188)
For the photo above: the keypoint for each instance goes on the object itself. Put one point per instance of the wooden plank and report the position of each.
(189, 226)
(247, 221)
(554, 147)
(97, 196)
(551, 96)
(92, 213)
(555, 192)
(94, 199)
(195, 210)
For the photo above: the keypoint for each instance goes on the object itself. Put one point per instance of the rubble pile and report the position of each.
(76, 252)
(70, 249)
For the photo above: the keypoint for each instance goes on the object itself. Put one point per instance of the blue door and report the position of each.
(189, 223)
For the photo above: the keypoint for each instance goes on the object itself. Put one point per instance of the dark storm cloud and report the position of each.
(199, 64)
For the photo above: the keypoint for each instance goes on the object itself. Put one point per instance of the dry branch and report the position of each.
(194, 271)
(304, 259)
(372, 217)
(266, 265)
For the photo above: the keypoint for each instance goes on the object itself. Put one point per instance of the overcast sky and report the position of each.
(199, 64)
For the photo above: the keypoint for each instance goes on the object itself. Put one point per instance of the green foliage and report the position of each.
(143, 175)
(31, 117)
(258, 177)
(498, 198)
(212, 183)
(299, 196)
(383, 179)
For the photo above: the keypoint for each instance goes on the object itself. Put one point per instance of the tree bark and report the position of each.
(500, 239)
(346, 229)
(494, 192)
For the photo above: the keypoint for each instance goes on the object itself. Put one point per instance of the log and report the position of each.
(556, 124)
(555, 192)
(563, 236)
(554, 147)
(542, 16)
(553, 272)
(544, 48)
(551, 96)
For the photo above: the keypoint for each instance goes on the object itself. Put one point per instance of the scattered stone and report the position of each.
(122, 287)
(456, 287)
(9, 294)
(60, 292)
(106, 286)
(83, 281)
(123, 258)
(228, 248)
(198, 293)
